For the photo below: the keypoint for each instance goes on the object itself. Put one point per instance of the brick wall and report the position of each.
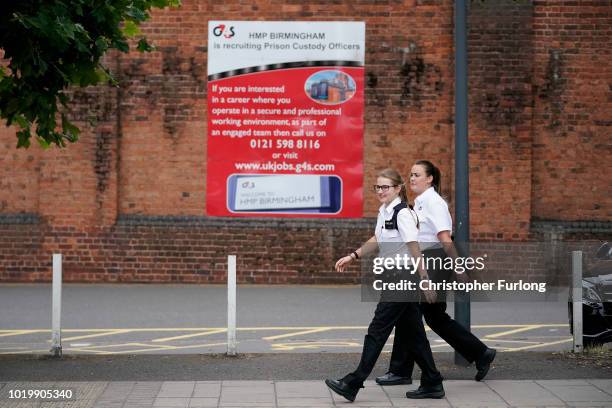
(572, 123)
(181, 249)
(500, 48)
(127, 202)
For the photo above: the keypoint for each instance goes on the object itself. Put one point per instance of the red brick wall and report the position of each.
(180, 250)
(500, 74)
(19, 171)
(540, 103)
(572, 123)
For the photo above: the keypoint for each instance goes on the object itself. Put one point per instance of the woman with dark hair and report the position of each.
(396, 226)
(435, 242)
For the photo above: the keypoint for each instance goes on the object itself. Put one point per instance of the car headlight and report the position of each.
(589, 294)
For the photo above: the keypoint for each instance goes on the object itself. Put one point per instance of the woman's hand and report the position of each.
(343, 262)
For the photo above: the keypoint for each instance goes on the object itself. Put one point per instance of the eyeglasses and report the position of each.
(384, 188)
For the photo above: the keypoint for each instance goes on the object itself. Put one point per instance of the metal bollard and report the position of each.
(577, 300)
(56, 307)
(231, 305)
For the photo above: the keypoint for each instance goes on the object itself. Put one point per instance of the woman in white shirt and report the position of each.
(435, 242)
(391, 193)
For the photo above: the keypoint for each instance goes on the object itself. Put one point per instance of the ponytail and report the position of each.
(433, 171)
(403, 194)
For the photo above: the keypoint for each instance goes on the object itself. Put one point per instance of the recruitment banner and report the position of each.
(285, 118)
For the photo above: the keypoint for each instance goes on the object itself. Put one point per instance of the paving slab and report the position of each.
(203, 402)
(102, 404)
(243, 393)
(115, 392)
(176, 389)
(524, 393)
(466, 394)
(247, 405)
(604, 385)
(144, 403)
(564, 382)
(304, 402)
(145, 390)
(207, 389)
(302, 389)
(234, 383)
(175, 402)
(578, 391)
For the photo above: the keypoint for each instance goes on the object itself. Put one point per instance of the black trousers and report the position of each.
(408, 316)
(457, 336)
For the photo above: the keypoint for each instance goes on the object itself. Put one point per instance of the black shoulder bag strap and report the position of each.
(392, 223)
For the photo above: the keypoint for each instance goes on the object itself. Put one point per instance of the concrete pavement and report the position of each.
(294, 394)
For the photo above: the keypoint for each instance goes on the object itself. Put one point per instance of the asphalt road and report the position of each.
(124, 306)
(183, 319)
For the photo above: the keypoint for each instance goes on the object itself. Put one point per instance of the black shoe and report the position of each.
(484, 363)
(429, 391)
(392, 379)
(342, 388)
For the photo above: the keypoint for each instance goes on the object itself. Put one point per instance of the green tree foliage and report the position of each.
(50, 45)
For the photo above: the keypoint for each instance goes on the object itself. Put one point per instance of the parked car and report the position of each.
(596, 300)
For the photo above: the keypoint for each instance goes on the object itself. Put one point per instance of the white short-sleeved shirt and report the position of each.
(406, 224)
(434, 217)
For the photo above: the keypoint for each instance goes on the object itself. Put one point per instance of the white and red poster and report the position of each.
(285, 118)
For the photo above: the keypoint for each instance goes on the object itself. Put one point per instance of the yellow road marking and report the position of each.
(299, 333)
(172, 348)
(148, 348)
(517, 341)
(94, 347)
(85, 350)
(294, 346)
(187, 336)
(89, 336)
(514, 331)
(45, 351)
(295, 331)
(16, 332)
(540, 345)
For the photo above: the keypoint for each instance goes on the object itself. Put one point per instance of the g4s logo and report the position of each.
(222, 30)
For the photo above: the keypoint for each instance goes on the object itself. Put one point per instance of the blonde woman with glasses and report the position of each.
(396, 224)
